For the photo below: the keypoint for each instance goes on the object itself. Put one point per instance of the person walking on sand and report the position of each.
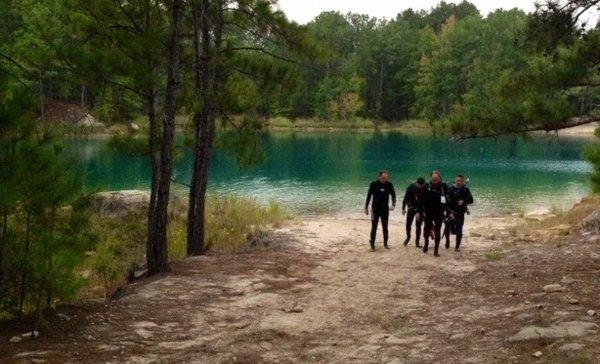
(435, 209)
(380, 192)
(413, 199)
(459, 198)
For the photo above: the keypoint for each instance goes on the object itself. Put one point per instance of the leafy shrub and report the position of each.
(120, 249)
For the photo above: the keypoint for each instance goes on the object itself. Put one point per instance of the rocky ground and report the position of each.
(312, 292)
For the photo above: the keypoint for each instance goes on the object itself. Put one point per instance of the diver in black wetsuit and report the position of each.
(459, 198)
(413, 198)
(380, 191)
(435, 210)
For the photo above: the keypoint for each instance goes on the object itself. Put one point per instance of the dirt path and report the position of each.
(315, 294)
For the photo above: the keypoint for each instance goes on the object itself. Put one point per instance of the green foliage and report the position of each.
(129, 142)
(44, 232)
(427, 64)
(592, 153)
(520, 86)
(120, 249)
(245, 143)
(370, 68)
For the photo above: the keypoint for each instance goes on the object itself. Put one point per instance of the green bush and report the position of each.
(120, 250)
(42, 242)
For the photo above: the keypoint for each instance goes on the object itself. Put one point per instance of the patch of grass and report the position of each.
(356, 123)
(232, 221)
(494, 256)
(556, 208)
(281, 122)
(513, 231)
(74, 130)
(574, 216)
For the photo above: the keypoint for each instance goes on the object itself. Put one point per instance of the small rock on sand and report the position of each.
(146, 334)
(63, 316)
(591, 313)
(393, 340)
(266, 345)
(537, 354)
(561, 330)
(552, 288)
(571, 347)
(260, 285)
(293, 308)
(134, 127)
(15, 339)
(31, 334)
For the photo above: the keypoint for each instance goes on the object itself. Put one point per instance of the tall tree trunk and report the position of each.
(380, 105)
(154, 144)
(202, 38)
(48, 276)
(41, 92)
(2, 242)
(208, 83)
(23, 290)
(157, 247)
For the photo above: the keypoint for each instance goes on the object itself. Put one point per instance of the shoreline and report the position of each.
(410, 129)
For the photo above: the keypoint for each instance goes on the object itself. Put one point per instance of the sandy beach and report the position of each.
(312, 292)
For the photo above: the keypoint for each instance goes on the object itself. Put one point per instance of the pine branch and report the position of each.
(569, 123)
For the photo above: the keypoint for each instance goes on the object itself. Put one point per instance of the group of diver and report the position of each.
(431, 204)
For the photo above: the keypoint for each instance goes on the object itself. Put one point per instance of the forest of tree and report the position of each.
(240, 62)
(421, 64)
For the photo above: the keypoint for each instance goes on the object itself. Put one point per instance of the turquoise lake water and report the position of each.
(329, 172)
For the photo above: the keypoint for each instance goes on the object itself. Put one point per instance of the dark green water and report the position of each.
(329, 172)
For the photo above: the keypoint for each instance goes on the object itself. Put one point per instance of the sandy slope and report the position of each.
(315, 294)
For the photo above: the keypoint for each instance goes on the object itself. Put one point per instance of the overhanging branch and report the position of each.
(569, 123)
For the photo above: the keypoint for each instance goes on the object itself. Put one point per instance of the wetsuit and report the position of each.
(380, 193)
(435, 208)
(455, 226)
(413, 198)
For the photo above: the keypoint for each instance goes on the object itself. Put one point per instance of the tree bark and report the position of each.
(23, 288)
(202, 39)
(153, 238)
(208, 83)
(156, 255)
(2, 242)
